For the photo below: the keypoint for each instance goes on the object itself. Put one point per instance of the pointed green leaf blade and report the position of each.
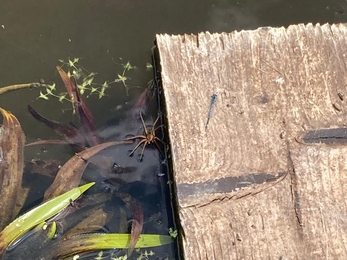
(38, 215)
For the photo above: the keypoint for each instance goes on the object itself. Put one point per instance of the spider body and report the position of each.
(147, 138)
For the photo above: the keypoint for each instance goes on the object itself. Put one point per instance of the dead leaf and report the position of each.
(69, 132)
(69, 176)
(137, 221)
(142, 102)
(47, 168)
(12, 141)
(83, 112)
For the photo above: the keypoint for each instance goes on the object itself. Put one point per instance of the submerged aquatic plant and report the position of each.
(52, 211)
(41, 213)
(57, 226)
(70, 174)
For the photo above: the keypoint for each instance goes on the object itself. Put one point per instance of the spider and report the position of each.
(148, 138)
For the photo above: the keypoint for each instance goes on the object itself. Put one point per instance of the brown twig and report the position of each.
(20, 86)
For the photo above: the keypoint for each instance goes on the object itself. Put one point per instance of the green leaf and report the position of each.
(96, 241)
(71, 63)
(49, 91)
(88, 81)
(105, 84)
(62, 97)
(145, 255)
(38, 215)
(102, 93)
(43, 96)
(173, 232)
(51, 229)
(93, 89)
(127, 66)
(81, 88)
(52, 87)
(122, 78)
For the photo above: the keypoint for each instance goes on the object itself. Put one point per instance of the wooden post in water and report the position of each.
(268, 178)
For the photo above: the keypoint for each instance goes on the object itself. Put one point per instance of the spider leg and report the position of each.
(156, 121)
(143, 123)
(148, 137)
(156, 138)
(157, 128)
(143, 149)
(137, 146)
(135, 137)
(156, 145)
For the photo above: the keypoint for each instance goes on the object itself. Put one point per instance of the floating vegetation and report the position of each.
(123, 78)
(173, 232)
(84, 81)
(149, 66)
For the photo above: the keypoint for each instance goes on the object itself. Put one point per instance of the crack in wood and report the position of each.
(294, 189)
(228, 184)
(326, 136)
(226, 188)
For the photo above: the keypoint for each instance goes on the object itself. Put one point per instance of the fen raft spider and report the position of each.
(149, 137)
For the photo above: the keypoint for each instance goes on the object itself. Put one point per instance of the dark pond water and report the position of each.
(104, 34)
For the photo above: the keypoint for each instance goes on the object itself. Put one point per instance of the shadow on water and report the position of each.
(105, 34)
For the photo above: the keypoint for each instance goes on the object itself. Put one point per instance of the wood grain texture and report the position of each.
(322, 207)
(262, 227)
(273, 85)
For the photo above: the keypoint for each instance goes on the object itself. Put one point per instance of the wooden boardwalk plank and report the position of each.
(248, 187)
(322, 209)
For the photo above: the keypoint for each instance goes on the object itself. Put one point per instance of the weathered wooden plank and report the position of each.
(266, 226)
(321, 206)
(274, 86)
(244, 229)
